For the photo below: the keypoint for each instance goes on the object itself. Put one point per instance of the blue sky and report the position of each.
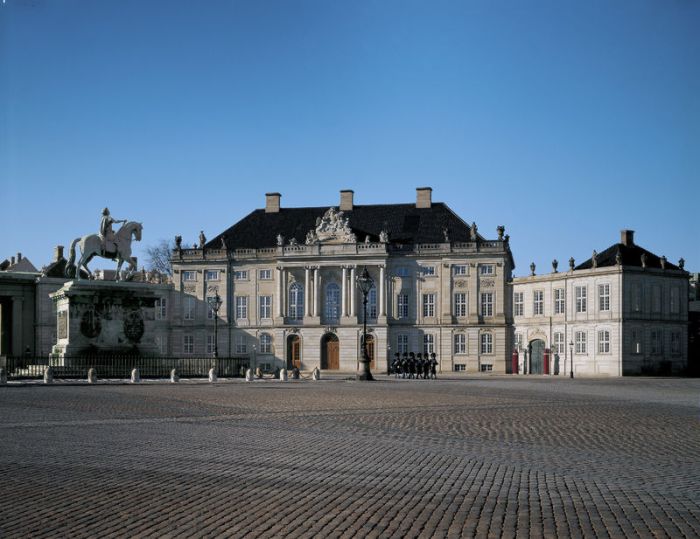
(564, 121)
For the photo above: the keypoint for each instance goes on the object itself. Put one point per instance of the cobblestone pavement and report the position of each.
(469, 457)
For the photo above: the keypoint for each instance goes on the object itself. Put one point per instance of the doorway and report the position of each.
(537, 356)
(330, 352)
(293, 352)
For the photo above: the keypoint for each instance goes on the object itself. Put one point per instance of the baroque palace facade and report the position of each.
(286, 278)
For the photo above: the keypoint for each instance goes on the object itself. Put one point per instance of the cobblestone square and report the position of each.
(463, 457)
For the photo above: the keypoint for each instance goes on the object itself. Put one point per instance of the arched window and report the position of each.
(296, 301)
(332, 302)
(265, 343)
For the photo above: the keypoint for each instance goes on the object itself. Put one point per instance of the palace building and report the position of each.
(287, 280)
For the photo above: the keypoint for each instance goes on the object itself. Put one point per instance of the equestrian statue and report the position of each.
(106, 244)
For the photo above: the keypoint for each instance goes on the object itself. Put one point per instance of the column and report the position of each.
(344, 295)
(382, 292)
(278, 299)
(17, 340)
(317, 295)
(307, 291)
(353, 294)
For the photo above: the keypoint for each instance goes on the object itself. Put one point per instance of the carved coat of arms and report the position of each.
(333, 227)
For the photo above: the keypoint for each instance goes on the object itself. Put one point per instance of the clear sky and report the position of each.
(565, 121)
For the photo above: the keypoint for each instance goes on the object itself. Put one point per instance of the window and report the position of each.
(636, 342)
(656, 299)
(265, 343)
(675, 300)
(188, 308)
(559, 343)
(372, 303)
(429, 271)
(189, 275)
(675, 343)
(459, 270)
(188, 344)
(162, 343)
(402, 303)
(428, 343)
(486, 343)
(296, 301)
(265, 274)
(518, 341)
(637, 298)
(161, 310)
(241, 307)
(460, 343)
(538, 302)
(559, 302)
(487, 304)
(460, 367)
(581, 296)
(603, 297)
(265, 307)
(518, 304)
(604, 342)
(580, 342)
(486, 269)
(241, 344)
(210, 311)
(428, 305)
(486, 367)
(212, 275)
(332, 302)
(210, 344)
(656, 344)
(240, 275)
(402, 343)
(461, 304)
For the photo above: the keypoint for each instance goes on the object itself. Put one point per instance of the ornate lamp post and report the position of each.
(215, 304)
(571, 357)
(364, 283)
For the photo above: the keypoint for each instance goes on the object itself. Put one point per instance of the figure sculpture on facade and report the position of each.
(384, 236)
(681, 263)
(472, 231)
(500, 229)
(223, 243)
(644, 260)
(332, 226)
(446, 234)
(555, 265)
(106, 244)
(594, 258)
(572, 263)
(202, 239)
(280, 240)
(178, 242)
(618, 258)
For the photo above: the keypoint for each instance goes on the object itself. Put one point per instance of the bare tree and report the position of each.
(159, 257)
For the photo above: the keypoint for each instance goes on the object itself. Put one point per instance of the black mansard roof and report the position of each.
(631, 256)
(404, 222)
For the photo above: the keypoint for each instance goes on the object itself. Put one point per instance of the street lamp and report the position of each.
(388, 359)
(571, 357)
(364, 283)
(215, 304)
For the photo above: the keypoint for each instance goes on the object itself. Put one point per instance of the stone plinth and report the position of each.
(104, 318)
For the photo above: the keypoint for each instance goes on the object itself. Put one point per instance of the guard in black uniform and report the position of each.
(433, 367)
(411, 365)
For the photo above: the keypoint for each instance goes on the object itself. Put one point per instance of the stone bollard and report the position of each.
(174, 378)
(283, 375)
(3, 377)
(92, 376)
(135, 376)
(248, 375)
(258, 373)
(316, 375)
(212, 375)
(48, 375)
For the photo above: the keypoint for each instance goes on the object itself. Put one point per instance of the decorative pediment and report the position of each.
(333, 227)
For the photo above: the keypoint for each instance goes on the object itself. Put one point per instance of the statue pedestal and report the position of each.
(103, 318)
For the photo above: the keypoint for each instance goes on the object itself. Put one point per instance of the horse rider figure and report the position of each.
(107, 234)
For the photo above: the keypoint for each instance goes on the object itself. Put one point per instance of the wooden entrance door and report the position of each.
(294, 352)
(333, 354)
(537, 357)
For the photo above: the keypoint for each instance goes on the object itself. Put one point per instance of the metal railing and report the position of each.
(121, 366)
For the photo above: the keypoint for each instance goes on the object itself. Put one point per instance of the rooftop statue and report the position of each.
(106, 244)
(333, 227)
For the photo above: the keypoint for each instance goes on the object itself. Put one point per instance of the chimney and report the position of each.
(423, 197)
(12, 261)
(19, 257)
(627, 237)
(272, 202)
(346, 203)
(58, 253)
